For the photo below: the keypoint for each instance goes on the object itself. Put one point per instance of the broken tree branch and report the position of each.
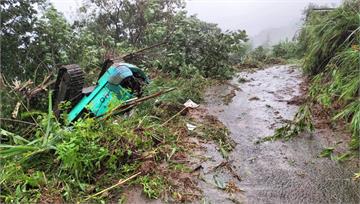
(26, 90)
(20, 100)
(39, 89)
(147, 48)
(131, 55)
(17, 121)
(15, 112)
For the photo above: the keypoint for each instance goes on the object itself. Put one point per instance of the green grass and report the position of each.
(331, 59)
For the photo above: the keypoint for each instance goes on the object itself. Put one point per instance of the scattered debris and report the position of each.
(302, 174)
(219, 182)
(190, 127)
(227, 99)
(120, 182)
(227, 165)
(233, 86)
(233, 173)
(297, 100)
(188, 104)
(133, 102)
(356, 176)
(197, 168)
(327, 152)
(255, 98)
(243, 80)
(147, 167)
(191, 104)
(15, 112)
(222, 164)
(232, 188)
(251, 160)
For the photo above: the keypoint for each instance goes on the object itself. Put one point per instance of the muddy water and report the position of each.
(276, 172)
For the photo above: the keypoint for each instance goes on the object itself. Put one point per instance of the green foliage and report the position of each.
(134, 22)
(351, 113)
(277, 54)
(327, 152)
(153, 186)
(302, 122)
(330, 41)
(91, 154)
(332, 56)
(66, 163)
(238, 56)
(193, 46)
(286, 50)
(16, 35)
(186, 89)
(326, 34)
(261, 56)
(36, 42)
(199, 47)
(73, 156)
(42, 40)
(80, 151)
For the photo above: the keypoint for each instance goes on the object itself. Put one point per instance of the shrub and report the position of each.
(286, 50)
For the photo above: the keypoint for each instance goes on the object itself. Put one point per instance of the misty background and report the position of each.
(266, 21)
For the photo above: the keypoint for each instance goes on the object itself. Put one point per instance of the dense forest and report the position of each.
(44, 159)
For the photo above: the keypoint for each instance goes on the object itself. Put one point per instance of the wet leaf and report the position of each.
(219, 182)
(356, 176)
(327, 152)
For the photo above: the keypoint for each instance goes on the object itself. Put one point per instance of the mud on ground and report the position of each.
(275, 172)
(251, 107)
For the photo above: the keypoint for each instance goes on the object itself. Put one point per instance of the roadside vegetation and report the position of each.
(43, 160)
(284, 52)
(333, 61)
(329, 43)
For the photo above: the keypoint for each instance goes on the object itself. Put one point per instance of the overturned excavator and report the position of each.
(118, 83)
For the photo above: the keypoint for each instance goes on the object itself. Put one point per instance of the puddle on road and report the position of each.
(274, 172)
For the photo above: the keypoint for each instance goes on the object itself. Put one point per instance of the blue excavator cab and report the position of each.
(100, 99)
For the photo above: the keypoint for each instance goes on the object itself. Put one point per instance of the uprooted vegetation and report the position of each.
(46, 161)
(71, 163)
(330, 43)
(53, 162)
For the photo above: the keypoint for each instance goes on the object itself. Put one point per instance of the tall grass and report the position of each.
(325, 36)
(332, 59)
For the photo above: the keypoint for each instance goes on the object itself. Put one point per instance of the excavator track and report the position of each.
(68, 86)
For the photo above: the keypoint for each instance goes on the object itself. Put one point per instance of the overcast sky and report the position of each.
(251, 15)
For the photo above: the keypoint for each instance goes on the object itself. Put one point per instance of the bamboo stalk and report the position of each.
(120, 182)
(178, 113)
(131, 103)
